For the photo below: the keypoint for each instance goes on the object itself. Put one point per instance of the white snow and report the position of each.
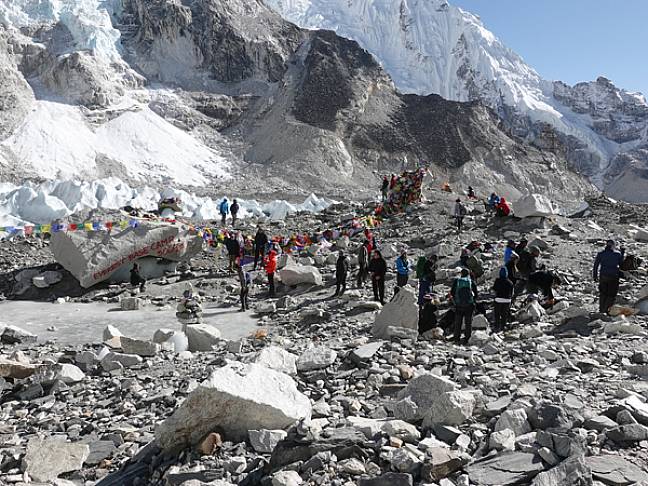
(43, 203)
(56, 141)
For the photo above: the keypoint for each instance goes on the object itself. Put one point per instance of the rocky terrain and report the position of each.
(339, 391)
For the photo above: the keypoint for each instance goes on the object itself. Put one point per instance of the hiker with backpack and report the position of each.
(260, 244)
(224, 209)
(234, 209)
(508, 251)
(464, 297)
(402, 270)
(607, 272)
(503, 288)
(426, 274)
(363, 264)
(341, 273)
(460, 213)
(378, 270)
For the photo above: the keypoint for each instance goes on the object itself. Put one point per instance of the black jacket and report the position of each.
(378, 266)
(503, 288)
(544, 281)
(342, 267)
(233, 246)
(260, 240)
(512, 271)
(234, 208)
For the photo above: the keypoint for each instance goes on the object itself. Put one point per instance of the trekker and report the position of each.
(503, 209)
(384, 189)
(378, 270)
(426, 274)
(607, 272)
(136, 278)
(224, 209)
(427, 314)
(508, 251)
(471, 193)
(544, 281)
(463, 297)
(363, 264)
(234, 209)
(460, 212)
(503, 288)
(522, 246)
(245, 279)
(260, 244)
(492, 202)
(341, 273)
(233, 251)
(271, 268)
(402, 269)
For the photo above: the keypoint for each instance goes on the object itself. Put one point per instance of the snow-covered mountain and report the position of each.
(430, 46)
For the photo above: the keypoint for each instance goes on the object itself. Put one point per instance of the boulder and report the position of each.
(67, 373)
(15, 369)
(424, 389)
(388, 479)
(111, 332)
(480, 322)
(278, 359)
(505, 469)
(441, 463)
(299, 274)
(641, 235)
(316, 358)
(571, 472)
(450, 408)
(533, 205)
(264, 441)
(235, 398)
(45, 459)
(202, 337)
(503, 440)
(15, 335)
(615, 470)
(366, 352)
(392, 428)
(402, 311)
(124, 360)
(515, 420)
(130, 303)
(139, 347)
(286, 478)
(93, 256)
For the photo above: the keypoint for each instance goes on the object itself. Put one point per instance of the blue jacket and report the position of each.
(508, 251)
(402, 266)
(224, 207)
(609, 262)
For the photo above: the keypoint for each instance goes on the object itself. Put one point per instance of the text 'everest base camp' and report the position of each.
(315, 242)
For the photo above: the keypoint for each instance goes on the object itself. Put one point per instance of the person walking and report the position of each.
(224, 209)
(463, 297)
(509, 250)
(271, 268)
(341, 273)
(460, 212)
(607, 273)
(363, 264)
(378, 270)
(245, 280)
(503, 288)
(426, 273)
(234, 209)
(260, 244)
(402, 269)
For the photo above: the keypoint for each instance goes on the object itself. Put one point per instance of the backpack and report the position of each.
(463, 293)
(420, 267)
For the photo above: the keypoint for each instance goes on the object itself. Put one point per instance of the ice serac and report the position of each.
(93, 256)
(431, 46)
(235, 398)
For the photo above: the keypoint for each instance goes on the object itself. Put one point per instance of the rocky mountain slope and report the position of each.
(430, 46)
(190, 91)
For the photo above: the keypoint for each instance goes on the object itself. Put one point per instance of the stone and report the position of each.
(450, 408)
(479, 339)
(94, 256)
(278, 359)
(235, 398)
(316, 358)
(406, 460)
(503, 440)
(641, 235)
(533, 205)
(367, 305)
(266, 308)
(294, 274)
(139, 347)
(548, 456)
(124, 360)
(627, 433)
(353, 466)
(100, 450)
(440, 463)
(496, 407)
(514, 420)
(111, 332)
(46, 459)
(366, 352)
(202, 337)
(15, 369)
(600, 423)
(424, 389)
(388, 479)
(571, 472)
(406, 409)
(505, 469)
(67, 373)
(210, 444)
(130, 303)
(402, 311)
(286, 478)
(395, 428)
(15, 335)
(546, 415)
(265, 441)
(620, 327)
(163, 335)
(614, 470)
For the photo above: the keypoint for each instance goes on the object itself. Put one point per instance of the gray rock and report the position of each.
(294, 274)
(503, 440)
(515, 420)
(450, 408)
(45, 459)
(100, 450)
(202, 337)
(627, 433)
(139, 347)
(264, 441)
(286, 478)
(366, 352)
(15, 335)
(424, 389)
(505, 469)
(600, 423)
(571, 472)
(402, 311)
(549, 416)
(67, 373)
(614, 470)
(125, 360)
(277, 359)
(440, 463)
(388, 479)
(393, 428)
(316, 358)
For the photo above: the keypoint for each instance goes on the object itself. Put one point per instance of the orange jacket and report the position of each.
(271, 262)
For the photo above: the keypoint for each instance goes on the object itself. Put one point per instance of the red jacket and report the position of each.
(271, 262)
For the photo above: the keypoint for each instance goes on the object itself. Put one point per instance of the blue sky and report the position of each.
(573, 40)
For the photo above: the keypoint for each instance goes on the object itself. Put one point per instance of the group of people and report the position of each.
(225, 208)
(494, 205)
(400, 192)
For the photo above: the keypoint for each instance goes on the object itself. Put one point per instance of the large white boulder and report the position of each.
(533, 205)
(402, 312)
(201, 337)
(300, 274)
(235, 398)
(277, 359)
(93, 256)
(316, 358)
(450, 408)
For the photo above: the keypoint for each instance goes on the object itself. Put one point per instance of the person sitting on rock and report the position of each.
(136, 278)
(427, 314)
(341, 273)
(502, 210)
(492, 202)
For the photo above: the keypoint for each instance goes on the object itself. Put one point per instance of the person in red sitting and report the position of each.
(503, 209)
(271, 268)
